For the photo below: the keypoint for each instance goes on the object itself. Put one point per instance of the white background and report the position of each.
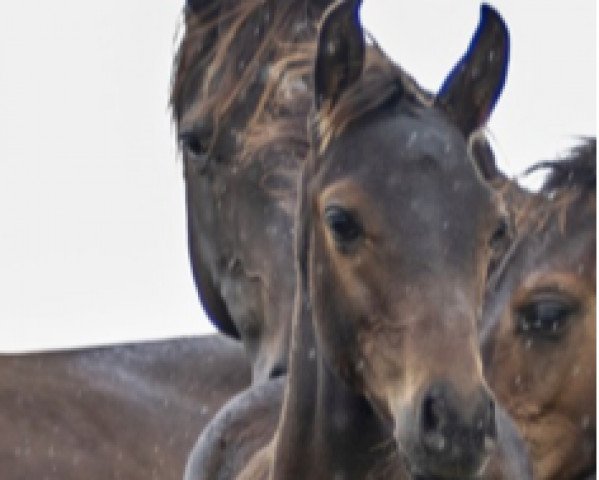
(92, 232)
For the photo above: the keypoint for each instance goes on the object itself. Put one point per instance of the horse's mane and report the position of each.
(226, 50)
(194, 51)
(270, 45)
(578, 169)
(288, 98)
(381, 82)
(571, 181)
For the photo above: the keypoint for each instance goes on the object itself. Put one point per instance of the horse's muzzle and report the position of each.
(451, 437)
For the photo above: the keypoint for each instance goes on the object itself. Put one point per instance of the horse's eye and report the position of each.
(546, 316)
(193, 143)
(343, 225)
(195, 148)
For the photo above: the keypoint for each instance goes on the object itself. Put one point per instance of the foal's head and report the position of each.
(397, 230)
(540, 319)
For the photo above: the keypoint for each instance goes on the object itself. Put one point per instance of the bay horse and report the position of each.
(239, 210)
(240, 205)
(128, 412)
(540, 334)
(395, 230)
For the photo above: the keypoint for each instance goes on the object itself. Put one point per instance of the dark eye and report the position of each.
(343, 225)
(196, 149)
(545, 316)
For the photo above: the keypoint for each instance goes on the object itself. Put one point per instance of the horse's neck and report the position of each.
(326, 430)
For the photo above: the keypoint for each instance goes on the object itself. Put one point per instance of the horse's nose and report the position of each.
(457, 432)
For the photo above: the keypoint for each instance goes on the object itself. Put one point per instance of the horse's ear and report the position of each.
(340, 55)
(471, 90)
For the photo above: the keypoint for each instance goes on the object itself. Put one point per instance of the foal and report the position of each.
(539, 339)
(394, 234)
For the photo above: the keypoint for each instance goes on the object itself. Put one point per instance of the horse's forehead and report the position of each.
(414, 123)
(553, 252)
(420, 158)
(572, 251)
(400, 142)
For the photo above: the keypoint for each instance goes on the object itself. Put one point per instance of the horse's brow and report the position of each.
(193, 114)
(194, 123)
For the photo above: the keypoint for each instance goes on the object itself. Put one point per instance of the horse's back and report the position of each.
(127, 411)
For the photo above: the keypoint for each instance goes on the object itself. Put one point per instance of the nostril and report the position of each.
(433, 420)
(278, 370)
(430, 419)
(433, 413)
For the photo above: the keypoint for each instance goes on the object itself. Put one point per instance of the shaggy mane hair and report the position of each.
(227, 53)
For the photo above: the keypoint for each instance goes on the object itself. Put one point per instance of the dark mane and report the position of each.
(225, 52)
(193, 53)
(381, 82)
(287, 98)
(571, 180)
(577, 170)
(270, 46)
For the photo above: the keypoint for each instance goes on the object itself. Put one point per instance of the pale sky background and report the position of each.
(92, 232)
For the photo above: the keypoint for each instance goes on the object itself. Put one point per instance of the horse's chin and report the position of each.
(423, 467)
(429, 476)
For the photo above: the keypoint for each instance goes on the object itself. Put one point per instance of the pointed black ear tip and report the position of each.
(486, 10)
(491, 19)
(489, 15)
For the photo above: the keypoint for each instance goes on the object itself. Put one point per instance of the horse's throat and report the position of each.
(326, 429)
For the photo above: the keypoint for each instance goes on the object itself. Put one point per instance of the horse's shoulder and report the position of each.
(242, 427)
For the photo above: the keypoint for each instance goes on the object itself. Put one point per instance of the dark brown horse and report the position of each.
(239, 209)
(395, 232)
(128, 412)
(240, 205)
(541, 321)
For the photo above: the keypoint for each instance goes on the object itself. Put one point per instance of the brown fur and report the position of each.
(272, 125)
(335, 385)
(228, 77)
(368, 340)
(548, 383)
(240, 204)
(128, 412)
(255, 94)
